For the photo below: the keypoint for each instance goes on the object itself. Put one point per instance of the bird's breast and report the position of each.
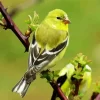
(49, 37)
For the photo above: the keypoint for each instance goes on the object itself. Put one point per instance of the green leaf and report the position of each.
(56, 73)
(77, 77)
(97, 87)
(1, 22)
(86, 70)
(77, 98)
(33, 21)
(49, 75)
(80, 61)
(33, 27)
(35, 18)
(1, 16)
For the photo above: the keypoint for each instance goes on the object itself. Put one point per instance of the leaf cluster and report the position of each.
(33, 22)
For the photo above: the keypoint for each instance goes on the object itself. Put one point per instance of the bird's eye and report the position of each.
(59, 18)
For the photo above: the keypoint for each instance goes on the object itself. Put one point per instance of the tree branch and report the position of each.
(98, 97)
(58, 90)
(77, 84)
(9, 24)
(95, 96)
(49, 75)
(22, 6)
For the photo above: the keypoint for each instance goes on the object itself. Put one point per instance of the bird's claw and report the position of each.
(49, 75)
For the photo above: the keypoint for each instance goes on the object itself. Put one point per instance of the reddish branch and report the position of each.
(77, 84)
(98, 97)
(58, 90)
(95, 96)
(9, 24)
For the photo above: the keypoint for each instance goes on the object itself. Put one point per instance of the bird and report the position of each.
(66, 79)
(47, 47)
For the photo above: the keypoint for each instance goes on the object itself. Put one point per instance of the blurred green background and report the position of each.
(84, 37)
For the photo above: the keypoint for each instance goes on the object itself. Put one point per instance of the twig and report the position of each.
(22, 7)
(48, 75)
(77, 84)
(98, 97)
(58, 90)
(95, 96)
(11, 25)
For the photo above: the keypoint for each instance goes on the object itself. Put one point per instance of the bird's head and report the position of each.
(58, 19)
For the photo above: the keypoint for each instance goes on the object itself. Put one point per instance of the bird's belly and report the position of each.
(49, 38)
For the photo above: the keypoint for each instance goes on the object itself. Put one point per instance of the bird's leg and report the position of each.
(49, 75)
(45, 71)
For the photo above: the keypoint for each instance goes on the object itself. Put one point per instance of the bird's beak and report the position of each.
(66, 21)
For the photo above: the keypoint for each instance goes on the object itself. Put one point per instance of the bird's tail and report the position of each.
(21, 87)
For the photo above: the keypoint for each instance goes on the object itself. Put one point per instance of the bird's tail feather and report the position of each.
(21, 87)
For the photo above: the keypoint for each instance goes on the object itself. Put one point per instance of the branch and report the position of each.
(49, 75)
(9, 24)
(98, 97)
(95, 96)
(58, 90)
(77, 84)
(22, 7)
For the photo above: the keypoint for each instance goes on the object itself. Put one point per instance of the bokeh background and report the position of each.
(84, 37)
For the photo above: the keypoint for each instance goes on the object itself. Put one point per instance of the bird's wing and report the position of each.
(39, 60)
(34, 52)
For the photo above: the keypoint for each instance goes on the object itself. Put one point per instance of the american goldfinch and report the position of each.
(65, 81)
(47, 47)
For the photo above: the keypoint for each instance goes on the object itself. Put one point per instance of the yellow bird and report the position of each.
(47, 47)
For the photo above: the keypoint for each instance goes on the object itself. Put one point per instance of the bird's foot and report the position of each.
(49, 75)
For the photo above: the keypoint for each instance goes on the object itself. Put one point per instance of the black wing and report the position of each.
(38, 60)
(34, 52)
